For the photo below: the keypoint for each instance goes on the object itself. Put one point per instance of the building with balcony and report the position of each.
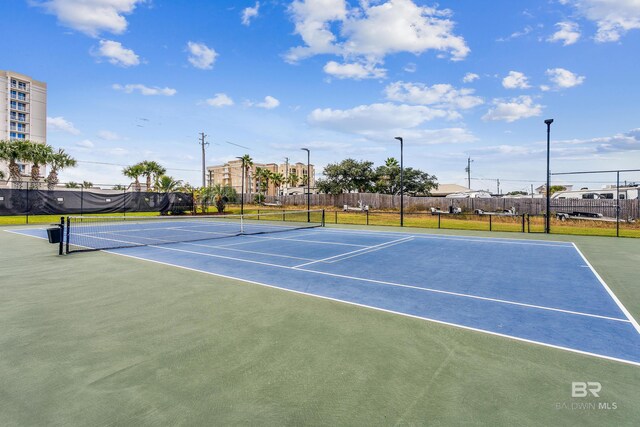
(23, 112)
(230, 174)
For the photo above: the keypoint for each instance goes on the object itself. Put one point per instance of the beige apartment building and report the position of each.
(231, 174)
(23, 112)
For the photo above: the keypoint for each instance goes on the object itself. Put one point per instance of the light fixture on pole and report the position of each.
(242, 188)
(547, 221)
(399, 138)
(308, 184)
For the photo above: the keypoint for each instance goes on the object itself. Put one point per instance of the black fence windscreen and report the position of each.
(80, 202)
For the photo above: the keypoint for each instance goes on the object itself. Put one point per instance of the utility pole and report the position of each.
(468, 171)
(498, 182)
(532, 191)
(204, 168)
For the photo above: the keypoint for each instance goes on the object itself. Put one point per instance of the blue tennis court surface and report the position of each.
(542, 292)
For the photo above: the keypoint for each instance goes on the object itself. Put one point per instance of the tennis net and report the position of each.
(100, 232)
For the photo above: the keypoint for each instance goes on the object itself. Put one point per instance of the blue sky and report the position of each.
(130, 80)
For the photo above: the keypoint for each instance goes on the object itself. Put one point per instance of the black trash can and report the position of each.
(54, 234)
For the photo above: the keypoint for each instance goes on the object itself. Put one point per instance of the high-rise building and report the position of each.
(23, 111)
(230, 174)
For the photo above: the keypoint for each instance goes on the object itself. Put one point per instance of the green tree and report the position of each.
(58, 160)
(151, 170)
(12, 152)
(517, 193)
(294, 179)
(556, 188)
(134, 172)
(278, 179)
(167, 184)
(219, 195)
(87, 184)
(38, 155)
(119, 187)
(248, 165)
(347, 176)
(72, 184)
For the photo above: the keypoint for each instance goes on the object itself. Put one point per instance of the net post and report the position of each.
(242, 223)
(67, 233)
(61, 244)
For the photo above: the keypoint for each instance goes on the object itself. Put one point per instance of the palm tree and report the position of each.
(293, 179)
(58, 161)
(38, 155)
(14, 151)
(134, 173)
(152, 169)
(86, 184)
(220, 195)
(278, 179)
(72, 184)
(248, 165)
(304, 179)
(167, 184)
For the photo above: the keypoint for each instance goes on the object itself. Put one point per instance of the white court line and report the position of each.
(633, 321)
(380, 282)
(246, 251)
(441, 322)
(357, 252)
(532, 242)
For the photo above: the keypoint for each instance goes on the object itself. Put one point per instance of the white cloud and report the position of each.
(249, 13)
(61, 124)
(220, 100)
(91, 16)
(145, 90)
(470, 77)
(201, 56)
(516, 80)
(613, 17)
(269, 103)
(410, 67)
(514, 109)
(372, 30)
(85, 143)
(564, 79)
(517, 34)
(354, 71)
(366, 119)
(439, 95)
(118, 151)
(568, 33)
(116, 54)
(108, 135)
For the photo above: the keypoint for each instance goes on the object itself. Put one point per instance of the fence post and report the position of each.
(61, 246)
(528, 223)
(67, 233)
(27, 207)
(124, 202)
(438, 220)
(367, 216)
(523, 223)
(81, 200)
(336, 212)
(490, 227)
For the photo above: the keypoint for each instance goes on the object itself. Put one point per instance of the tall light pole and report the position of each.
(399, 138)
(242, 188)
(308, 184)
(547, 221)
(204, 144)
